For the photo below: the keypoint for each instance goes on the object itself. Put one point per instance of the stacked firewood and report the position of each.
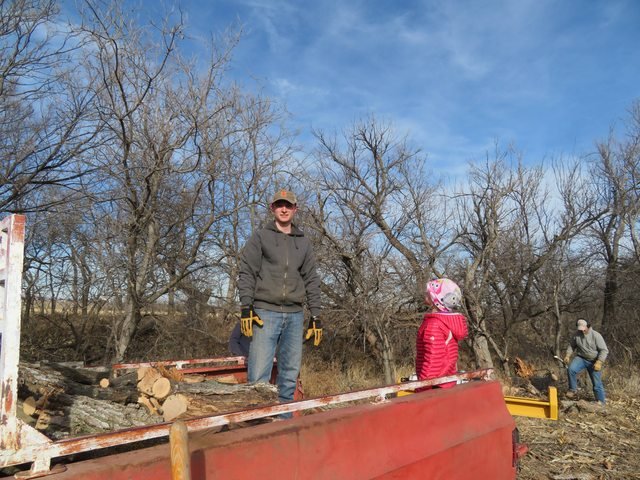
(171, 394)
(66, 399)
(69, 400)
(154, 385)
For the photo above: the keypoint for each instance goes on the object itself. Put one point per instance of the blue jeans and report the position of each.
(279, 337)
(577, 365)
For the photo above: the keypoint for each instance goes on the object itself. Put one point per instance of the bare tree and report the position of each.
(386, 181)
(162, 181)
(632, 162)
(382, 226)
(512, 228)
(616, 183)
(482, 217)
(260, 158)
(45, 115)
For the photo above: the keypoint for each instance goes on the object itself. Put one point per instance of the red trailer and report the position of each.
(458, 433)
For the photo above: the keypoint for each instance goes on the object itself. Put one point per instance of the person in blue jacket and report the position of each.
(238, 343)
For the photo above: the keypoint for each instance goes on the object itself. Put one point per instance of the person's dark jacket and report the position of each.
(278, 271)
(239, 344)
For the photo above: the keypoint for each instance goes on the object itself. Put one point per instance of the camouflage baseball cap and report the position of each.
(285, 195)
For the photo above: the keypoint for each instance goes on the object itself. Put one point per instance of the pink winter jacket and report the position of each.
(437, 345)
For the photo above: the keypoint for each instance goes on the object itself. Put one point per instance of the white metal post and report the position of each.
(11, 260)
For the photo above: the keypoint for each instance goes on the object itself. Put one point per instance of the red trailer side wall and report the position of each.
(459, 433)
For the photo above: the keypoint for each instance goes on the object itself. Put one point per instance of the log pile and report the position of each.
(172, 395)
(61, 401)
(68, 400)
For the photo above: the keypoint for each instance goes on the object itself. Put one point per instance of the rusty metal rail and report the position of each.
(209, 363)
(219, 365)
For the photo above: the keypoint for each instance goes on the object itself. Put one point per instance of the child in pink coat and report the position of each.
(440, 332)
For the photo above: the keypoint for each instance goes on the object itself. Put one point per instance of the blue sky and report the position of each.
(550, 77)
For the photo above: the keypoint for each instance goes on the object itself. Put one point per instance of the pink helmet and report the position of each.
(444, 294)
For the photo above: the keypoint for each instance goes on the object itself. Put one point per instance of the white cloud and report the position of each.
(455, 75)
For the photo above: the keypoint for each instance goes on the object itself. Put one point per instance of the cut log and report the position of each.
(28, 419)
(187, 406)
(174, 406)
(141, 372)
(161, 388)
(142, 400)
(68, 415)
(194, 378)
(199, 407)
(171, 373)
(212, 387)
(44, 420)
(228, 379)
(145, 385)
(29, 406)
(42, 380)
(533, 390)
(128, 379)
(32, 407)
(78, 373)
(209, 398)
(104, 383)
(156, 405)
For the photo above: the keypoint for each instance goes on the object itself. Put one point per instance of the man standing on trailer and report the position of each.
(277, 275)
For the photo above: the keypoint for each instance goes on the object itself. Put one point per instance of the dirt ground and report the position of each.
(587, 442)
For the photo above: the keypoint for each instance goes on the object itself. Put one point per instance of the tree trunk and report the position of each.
(75, 287)
(610, 296)
(382, 351)
(211, 397)
(72, 415)
(388, 361)
(558, 323)
(126, 331)
(479, 341)
(27, 307)
(481, 351)
(43, 380)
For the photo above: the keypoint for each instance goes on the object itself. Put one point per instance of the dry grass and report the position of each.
(321, 378)
(331, 379)
(623, 380)
(587, 441)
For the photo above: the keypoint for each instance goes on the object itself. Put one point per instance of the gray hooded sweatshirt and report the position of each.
(278, 271)
(590, 346)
